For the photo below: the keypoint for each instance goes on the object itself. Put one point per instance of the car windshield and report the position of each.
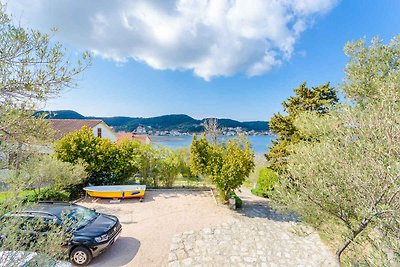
(80, 216)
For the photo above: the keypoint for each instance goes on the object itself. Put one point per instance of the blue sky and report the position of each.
(236, 60)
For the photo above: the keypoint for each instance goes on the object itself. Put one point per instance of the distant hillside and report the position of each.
(180, 122)
(60, 114)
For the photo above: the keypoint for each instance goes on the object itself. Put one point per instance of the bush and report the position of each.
(227, 164)
(265, 182)
(238, 202)
(47, 194)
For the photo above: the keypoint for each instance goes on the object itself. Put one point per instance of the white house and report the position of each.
(65, 126)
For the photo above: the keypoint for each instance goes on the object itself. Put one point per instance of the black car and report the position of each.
(91, 232)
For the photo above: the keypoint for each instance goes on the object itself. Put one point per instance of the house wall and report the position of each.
(106, 132)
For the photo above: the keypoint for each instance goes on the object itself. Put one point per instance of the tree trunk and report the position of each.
(362, 226)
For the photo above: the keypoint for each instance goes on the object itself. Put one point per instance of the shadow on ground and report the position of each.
(120, 253)
(258, 207)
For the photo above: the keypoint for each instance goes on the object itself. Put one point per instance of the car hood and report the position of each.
(101, 225)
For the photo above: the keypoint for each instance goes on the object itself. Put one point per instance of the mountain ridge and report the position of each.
(180, 122)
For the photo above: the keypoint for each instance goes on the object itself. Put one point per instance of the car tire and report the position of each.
(81, 256)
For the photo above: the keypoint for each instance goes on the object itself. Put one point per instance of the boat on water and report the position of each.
(116, 191)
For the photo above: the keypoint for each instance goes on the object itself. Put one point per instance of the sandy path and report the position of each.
(149, 227)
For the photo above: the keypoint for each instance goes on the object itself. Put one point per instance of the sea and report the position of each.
(259, 143)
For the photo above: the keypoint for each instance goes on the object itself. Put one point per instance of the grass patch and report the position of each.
(184, 182)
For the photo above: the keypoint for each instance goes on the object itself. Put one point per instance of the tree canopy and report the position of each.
(351, 176)
(226, 165)
(33, 68)
(318, 99)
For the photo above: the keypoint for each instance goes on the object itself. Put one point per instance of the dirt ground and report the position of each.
(149, 226)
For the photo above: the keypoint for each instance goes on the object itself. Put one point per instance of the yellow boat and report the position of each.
(116, 191)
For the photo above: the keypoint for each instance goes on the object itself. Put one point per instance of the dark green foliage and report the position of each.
(60, 114)
(105, 162)
(316, 99)
(238, 202)
(110, 163)
(266, 181)
(180, 122)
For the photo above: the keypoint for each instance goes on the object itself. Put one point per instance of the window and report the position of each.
(98, 132)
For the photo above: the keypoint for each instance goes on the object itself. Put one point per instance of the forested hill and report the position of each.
(181, 122)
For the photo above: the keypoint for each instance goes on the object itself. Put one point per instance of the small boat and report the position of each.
(116, 191)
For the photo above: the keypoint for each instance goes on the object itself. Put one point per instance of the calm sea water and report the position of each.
(260, 143)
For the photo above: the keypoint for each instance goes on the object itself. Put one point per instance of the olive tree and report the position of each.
(44, 171)
(352, 174)
(33, 68)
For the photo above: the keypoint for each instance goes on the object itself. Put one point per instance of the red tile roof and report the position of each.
(64, 127)
(143, 138)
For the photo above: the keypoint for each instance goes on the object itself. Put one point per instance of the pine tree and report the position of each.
(317, 99)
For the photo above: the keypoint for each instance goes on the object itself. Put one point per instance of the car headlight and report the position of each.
(101, 238)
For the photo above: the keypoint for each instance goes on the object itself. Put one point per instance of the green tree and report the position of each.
(106, 162)
(351, 176)
(317, 99)
(45, 171)
(146, 161)
(226, 165)
(184, 157)
(170, 165)
(33, 69)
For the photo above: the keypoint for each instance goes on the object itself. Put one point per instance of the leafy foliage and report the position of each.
(226, 165)
(32, 239)
(105, 162)
(110, 163)
(33, 69)
(266, 181)
(44, 171)
(47, 194)
(352, 174)
(317, 99)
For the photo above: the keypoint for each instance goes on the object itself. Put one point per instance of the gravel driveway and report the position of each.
(187, 228)
(149, 226)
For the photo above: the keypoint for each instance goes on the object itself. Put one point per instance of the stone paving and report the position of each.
(257, 237)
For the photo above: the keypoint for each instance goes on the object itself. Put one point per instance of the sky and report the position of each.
(235, 59)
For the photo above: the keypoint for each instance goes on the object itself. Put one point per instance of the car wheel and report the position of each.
(81, 256)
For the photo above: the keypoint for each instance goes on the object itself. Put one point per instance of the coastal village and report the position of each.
(185, 133)
(227, 131)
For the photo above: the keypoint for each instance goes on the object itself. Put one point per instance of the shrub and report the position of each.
(238, 202)
(105, 162)
(47, 194)
(265, 182)
(41, 172)
(227, 165)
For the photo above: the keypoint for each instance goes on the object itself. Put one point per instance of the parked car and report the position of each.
(91, 232)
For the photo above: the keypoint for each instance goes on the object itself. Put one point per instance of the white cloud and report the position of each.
(211, 38)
